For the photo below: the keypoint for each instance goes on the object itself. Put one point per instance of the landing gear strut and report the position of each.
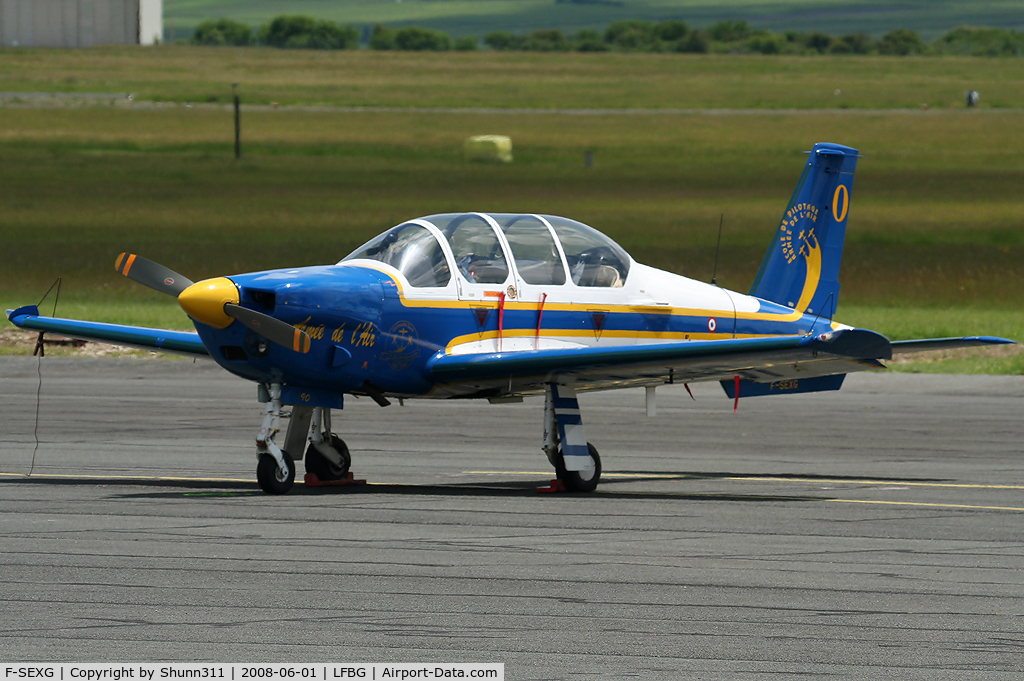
(276, 470)
(576, 461)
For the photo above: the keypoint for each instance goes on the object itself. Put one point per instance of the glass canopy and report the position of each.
(546, 250)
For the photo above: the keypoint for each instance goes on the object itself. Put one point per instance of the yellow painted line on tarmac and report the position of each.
(144, 478)
(922, 503)
(67, 476)
(901, 483)
(816, 480)
(299, 481)
(698, 476)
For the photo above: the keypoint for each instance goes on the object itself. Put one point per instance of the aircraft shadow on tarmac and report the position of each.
(507, 490)
(727, 475)
(179, 487)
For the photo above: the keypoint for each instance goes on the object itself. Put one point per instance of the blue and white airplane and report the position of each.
(500, 306)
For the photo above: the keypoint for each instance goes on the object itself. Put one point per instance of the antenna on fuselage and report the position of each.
(714, 274)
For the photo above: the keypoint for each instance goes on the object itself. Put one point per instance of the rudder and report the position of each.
(801, 268)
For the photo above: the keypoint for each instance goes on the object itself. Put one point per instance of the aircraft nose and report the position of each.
(204, 301)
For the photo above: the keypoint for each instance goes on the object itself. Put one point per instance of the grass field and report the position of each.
(511, 80)
(934, 246)
(931, 18)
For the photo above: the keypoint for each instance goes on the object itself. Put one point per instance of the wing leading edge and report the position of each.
(144, 338)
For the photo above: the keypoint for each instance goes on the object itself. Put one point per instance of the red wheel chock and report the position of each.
(555, 487)
(313, 481)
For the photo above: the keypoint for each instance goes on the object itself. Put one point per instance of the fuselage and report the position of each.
(378, 317)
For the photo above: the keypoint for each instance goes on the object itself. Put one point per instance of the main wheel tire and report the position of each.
(322, 468)
(573, 481)
(269, 477)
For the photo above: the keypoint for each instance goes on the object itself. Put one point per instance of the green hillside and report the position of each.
(930, 18)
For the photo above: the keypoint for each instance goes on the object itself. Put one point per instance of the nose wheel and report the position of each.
(271, 477)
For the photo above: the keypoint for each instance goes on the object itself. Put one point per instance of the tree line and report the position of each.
(632, 35)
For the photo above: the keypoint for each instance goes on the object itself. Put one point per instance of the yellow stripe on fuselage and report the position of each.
(810, 286)
(558, 334)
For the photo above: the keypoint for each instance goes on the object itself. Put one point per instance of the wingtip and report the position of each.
(992, 340)
(24, 311)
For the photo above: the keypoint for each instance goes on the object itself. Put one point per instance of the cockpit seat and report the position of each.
(603, 275)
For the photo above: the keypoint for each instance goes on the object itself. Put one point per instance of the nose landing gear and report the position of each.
(275, 470)
(327, 456)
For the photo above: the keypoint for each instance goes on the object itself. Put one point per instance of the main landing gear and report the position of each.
(327, 455)
(576, 461)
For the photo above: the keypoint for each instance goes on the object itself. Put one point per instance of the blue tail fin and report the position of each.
(801, 268)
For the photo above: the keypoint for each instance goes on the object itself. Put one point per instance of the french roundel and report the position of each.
(712, 324)
(840, 203)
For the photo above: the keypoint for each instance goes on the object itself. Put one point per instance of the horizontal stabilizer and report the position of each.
(141, 337)
(931, 344)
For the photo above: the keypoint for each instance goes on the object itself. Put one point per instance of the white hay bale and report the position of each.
(489, 148)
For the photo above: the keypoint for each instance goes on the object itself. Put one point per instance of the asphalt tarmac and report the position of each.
(871, 533)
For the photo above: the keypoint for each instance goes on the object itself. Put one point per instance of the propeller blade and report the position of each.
(151, 274)
(272, 329)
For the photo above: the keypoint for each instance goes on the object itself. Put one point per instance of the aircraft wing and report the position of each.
(144, 338)
(754, 359)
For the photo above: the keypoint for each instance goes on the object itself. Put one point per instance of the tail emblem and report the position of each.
(801, 211)
(805, 243)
